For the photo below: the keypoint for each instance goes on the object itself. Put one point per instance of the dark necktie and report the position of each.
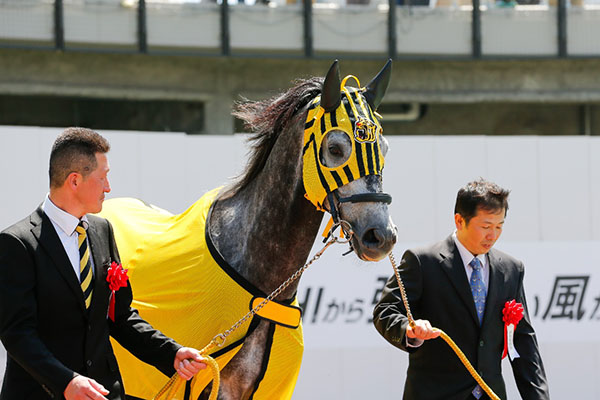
(85, 265)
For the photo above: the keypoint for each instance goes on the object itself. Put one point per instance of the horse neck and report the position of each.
(266, 230)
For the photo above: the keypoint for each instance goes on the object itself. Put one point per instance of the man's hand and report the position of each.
(84, 388)
(422, 330)
(188, 362)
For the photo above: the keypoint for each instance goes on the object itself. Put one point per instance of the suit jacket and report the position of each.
(438, 291)
(49, 335)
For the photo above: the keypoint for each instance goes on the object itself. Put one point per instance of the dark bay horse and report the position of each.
(263, 226)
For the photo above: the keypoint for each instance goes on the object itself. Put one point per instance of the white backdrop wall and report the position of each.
(553, 225)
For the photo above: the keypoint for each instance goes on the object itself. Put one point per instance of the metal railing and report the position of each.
(225, 47)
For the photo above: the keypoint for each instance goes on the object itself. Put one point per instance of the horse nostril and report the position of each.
(373, 238)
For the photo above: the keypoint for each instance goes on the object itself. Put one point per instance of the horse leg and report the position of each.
(238, 378)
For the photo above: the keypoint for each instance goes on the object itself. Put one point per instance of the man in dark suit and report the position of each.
(461, 285)
(54, 294)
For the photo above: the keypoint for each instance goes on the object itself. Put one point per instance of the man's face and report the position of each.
(482, 231)
(91, 191)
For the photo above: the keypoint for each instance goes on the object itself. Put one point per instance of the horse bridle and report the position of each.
(355, 198)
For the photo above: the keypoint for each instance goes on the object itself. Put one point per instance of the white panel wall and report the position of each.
(445, 31)
(564, 187)
(594, 150)
(268, 28)
(24, 156)
(523, 30)
(197, 25)
(102, 22)
(27, 21)
(553, 225)
(520, 179)
(582, 30)
(414, 191)
(350, 29)
(532, 31)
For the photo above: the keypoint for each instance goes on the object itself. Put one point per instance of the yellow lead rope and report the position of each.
(168, 391)
(443, 335)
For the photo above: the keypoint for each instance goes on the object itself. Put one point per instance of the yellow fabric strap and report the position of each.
(328, 228)
(282, 314)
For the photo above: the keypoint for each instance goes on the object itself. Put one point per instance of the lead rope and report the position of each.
(174, 384)
(443, 335)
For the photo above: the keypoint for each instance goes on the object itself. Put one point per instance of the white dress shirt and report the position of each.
(64, 225)
(467, 257)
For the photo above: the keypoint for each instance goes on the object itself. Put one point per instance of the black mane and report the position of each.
(267, 119)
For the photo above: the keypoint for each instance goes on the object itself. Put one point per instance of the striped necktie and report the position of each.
(479, 292)
(85, 265)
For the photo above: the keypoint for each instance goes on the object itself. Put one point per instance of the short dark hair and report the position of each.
(74, 150)
(480, 195)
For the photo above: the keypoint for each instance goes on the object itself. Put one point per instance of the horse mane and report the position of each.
(267, 119)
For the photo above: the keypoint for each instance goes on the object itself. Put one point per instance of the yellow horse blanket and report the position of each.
(183, 287)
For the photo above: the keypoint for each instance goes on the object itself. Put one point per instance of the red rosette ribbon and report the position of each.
(117, 278)
(511, 315)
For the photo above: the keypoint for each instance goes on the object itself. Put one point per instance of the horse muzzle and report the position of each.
(375, 242)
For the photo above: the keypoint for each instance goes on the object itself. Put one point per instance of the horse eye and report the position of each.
(335, 151)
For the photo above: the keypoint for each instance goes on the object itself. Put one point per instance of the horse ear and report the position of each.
(330, 93)
(375, 90)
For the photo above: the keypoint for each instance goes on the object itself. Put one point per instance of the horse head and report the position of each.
(344, 151)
